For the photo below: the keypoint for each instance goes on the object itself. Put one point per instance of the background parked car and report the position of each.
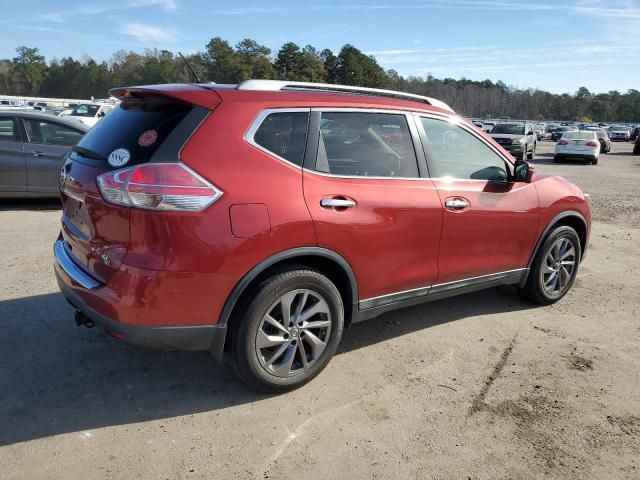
(579, 145)
(90, 113)
(32, 150)
(518, 138)
(620, 134)
(558, 132)
(603, 138)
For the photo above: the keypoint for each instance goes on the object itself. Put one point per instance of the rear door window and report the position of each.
(139, 126)
(284, 134)
(51, 133)
(8, 130)
(366, 144)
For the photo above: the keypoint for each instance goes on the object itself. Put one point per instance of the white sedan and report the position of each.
(579, 145)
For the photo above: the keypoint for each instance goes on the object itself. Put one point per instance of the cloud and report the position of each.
(249, 10)
(150, 34)
(169, 6)
(55, 17)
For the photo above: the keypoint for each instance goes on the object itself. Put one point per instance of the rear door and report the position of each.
(13, 172)
(489, 224)
(369, 200)
(47, 143)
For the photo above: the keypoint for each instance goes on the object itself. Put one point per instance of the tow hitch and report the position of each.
(82, 319)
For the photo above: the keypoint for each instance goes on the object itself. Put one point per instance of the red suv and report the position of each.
(259, 220)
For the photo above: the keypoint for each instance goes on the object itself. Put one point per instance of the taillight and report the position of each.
(563, 142)
(158, 186)
(593, 144)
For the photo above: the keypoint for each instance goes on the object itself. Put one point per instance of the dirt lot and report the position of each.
(483, 386)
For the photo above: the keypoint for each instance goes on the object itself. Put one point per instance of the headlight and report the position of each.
(520, 140)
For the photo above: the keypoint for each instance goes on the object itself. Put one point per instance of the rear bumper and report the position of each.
(92, 299)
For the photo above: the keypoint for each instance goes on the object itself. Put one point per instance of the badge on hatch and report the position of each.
(119, 157)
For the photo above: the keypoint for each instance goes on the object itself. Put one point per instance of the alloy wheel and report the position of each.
(293, 333)
(558, 267)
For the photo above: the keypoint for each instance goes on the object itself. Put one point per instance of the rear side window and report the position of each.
(284, 134)
(366, 145)
(136, 125)
(7, 130)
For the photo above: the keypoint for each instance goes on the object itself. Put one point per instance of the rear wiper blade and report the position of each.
(85, 152)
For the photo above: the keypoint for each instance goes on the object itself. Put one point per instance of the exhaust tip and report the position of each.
(82, 320)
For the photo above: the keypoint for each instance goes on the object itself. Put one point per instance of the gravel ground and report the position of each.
(482, 386)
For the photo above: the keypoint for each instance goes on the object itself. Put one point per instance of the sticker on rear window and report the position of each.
(119, 157)
(147, 138)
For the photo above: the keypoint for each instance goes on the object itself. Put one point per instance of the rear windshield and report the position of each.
(579, 136)
(509, 128)
(135, 125)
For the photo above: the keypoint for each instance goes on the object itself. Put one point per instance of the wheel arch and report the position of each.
(326, 261)
(571, 218)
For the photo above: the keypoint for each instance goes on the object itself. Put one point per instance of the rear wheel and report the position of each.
(289, 330)
(555, 267)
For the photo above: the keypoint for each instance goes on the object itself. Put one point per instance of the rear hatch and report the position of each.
(152, 125)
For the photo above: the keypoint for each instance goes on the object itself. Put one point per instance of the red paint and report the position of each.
(176, 268)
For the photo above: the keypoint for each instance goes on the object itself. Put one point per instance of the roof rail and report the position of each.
(279, 85)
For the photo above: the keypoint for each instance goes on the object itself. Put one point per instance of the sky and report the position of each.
(554, 45)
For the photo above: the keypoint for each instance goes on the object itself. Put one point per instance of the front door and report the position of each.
(489, 223)
(369, 203)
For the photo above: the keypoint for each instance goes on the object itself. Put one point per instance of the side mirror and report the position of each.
(529, 133)
(523, 171)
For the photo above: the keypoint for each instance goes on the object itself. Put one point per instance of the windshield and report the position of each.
(509, 128)
(85, 110)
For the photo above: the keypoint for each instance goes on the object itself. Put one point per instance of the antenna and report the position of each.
(195, 75)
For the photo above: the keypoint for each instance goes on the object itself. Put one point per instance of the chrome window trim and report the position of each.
(257, 123)
(66, 263)
(428, 290)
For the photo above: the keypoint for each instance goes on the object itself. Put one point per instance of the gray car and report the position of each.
(32, 147)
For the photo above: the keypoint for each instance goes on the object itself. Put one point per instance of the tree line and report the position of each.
(29, 74)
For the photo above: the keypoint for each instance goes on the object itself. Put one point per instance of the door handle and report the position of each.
(456, 203)
(338, 202)
(36, 153)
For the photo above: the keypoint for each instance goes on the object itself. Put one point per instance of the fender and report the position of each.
(543, 236)
(217, 345)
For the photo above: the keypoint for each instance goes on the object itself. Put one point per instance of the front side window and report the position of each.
(51, 133)
(458, 154)
(8, 130)
(284, 134)
(366, 144)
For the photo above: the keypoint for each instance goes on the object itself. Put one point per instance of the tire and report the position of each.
(531, 154)
(260, 348)
(556, 159)
(540, 287)
(594, 161)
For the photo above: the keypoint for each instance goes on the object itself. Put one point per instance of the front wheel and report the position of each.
(531, 154)
(289, 330)
(554, 268)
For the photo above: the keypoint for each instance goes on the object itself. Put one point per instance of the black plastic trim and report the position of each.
(200, 337)
(277, 258)
(169, 150)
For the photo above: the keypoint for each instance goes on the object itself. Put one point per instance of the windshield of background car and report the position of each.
(509, 129)
(85, 110)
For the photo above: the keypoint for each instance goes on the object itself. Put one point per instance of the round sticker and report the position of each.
(147, 138)
(119, 157)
